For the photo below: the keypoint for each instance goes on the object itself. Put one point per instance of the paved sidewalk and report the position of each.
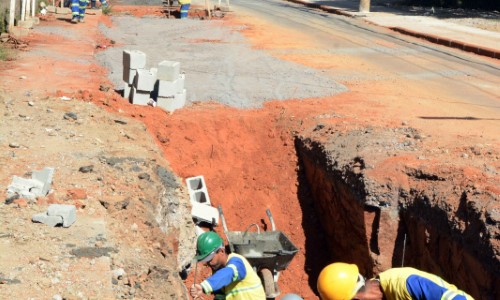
(479, 41)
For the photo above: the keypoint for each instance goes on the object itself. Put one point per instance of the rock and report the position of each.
(119, 273)
(123, 122)
(86, 169)
(31, 103)
(14, 145)
(70, 116)
(144, 176)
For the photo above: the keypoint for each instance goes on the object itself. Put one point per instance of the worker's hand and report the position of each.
(196, 291)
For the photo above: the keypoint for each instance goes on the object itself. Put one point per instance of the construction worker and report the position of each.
(340, 281)
(185, 4)
(233, 277)
(78, 10)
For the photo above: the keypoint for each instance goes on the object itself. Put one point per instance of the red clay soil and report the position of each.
(246, 156)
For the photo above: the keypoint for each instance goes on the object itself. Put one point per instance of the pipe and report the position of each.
(23, 10)
(12, 14)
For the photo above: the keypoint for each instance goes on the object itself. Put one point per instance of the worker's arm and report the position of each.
(233, 271)
(422, 288)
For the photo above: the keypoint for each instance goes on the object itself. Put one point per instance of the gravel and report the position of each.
(218, 62)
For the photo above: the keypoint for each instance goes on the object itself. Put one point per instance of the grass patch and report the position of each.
(6, 53)
(107, 10)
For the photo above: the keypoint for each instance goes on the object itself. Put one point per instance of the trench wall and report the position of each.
(413, 229)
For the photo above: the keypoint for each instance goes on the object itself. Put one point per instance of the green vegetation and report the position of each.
(107, 10)
(5, 53)
(3, 21)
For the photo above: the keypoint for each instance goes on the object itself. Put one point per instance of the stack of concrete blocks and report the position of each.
(171, 91)
(202, 209)
(38, 185)
(57, 214)
(138, 82)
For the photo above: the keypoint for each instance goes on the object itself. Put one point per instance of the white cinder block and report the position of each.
(126, 90)
(172, 103)
(145, 79)
(180, 98)
(67, 212)
(169, 70)
(134, 59)
(197, 190)
(139, 97)
(129, 75)
(205, 213)
(170, 88)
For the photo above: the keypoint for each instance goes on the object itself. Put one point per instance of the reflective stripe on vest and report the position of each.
(249, 288)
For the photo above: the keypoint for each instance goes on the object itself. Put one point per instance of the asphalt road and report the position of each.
(469, 79)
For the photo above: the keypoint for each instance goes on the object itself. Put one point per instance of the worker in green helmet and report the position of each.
(233, 277)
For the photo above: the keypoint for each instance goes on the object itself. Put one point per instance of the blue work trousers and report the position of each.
(78, 8)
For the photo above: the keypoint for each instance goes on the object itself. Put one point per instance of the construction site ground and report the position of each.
(124, 166)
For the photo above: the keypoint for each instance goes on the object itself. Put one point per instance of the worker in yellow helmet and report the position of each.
(341, 281)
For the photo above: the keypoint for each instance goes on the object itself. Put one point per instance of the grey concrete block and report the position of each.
(169, 70)
(45, 177)
(26, 188)
(127, 88)
(67, 212)
(139, 97)
(129, 75)
(197, 190)
(205, 213)
(170, 88)
(170, 104)
(46, 219)
(134, 59)
(145, 79)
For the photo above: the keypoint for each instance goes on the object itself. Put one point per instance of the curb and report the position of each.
(479, 50)
(484, 51)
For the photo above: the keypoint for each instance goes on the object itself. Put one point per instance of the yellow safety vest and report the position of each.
(393, 283)
(250, 288)
(184, 2)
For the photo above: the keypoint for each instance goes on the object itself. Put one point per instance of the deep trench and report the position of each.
(377, 237)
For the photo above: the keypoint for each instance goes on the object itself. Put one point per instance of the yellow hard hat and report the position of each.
(338, 281)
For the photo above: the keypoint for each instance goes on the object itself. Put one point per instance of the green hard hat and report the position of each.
(207, 243)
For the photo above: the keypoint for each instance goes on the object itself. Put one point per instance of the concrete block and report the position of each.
(25, 188)
(36, 20)
(197, 190)
(180, 98)
(28, 24)
(170, 104)
(46, 219)
(127, 88)
(134, 59)
(145, 79)
(17, 31)
(45, 177)
(170, 88)
(129, 75)
(169, 70)
(204, 213)
(67, 212)
(198, 230)
(51, 9)
(139, 97)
